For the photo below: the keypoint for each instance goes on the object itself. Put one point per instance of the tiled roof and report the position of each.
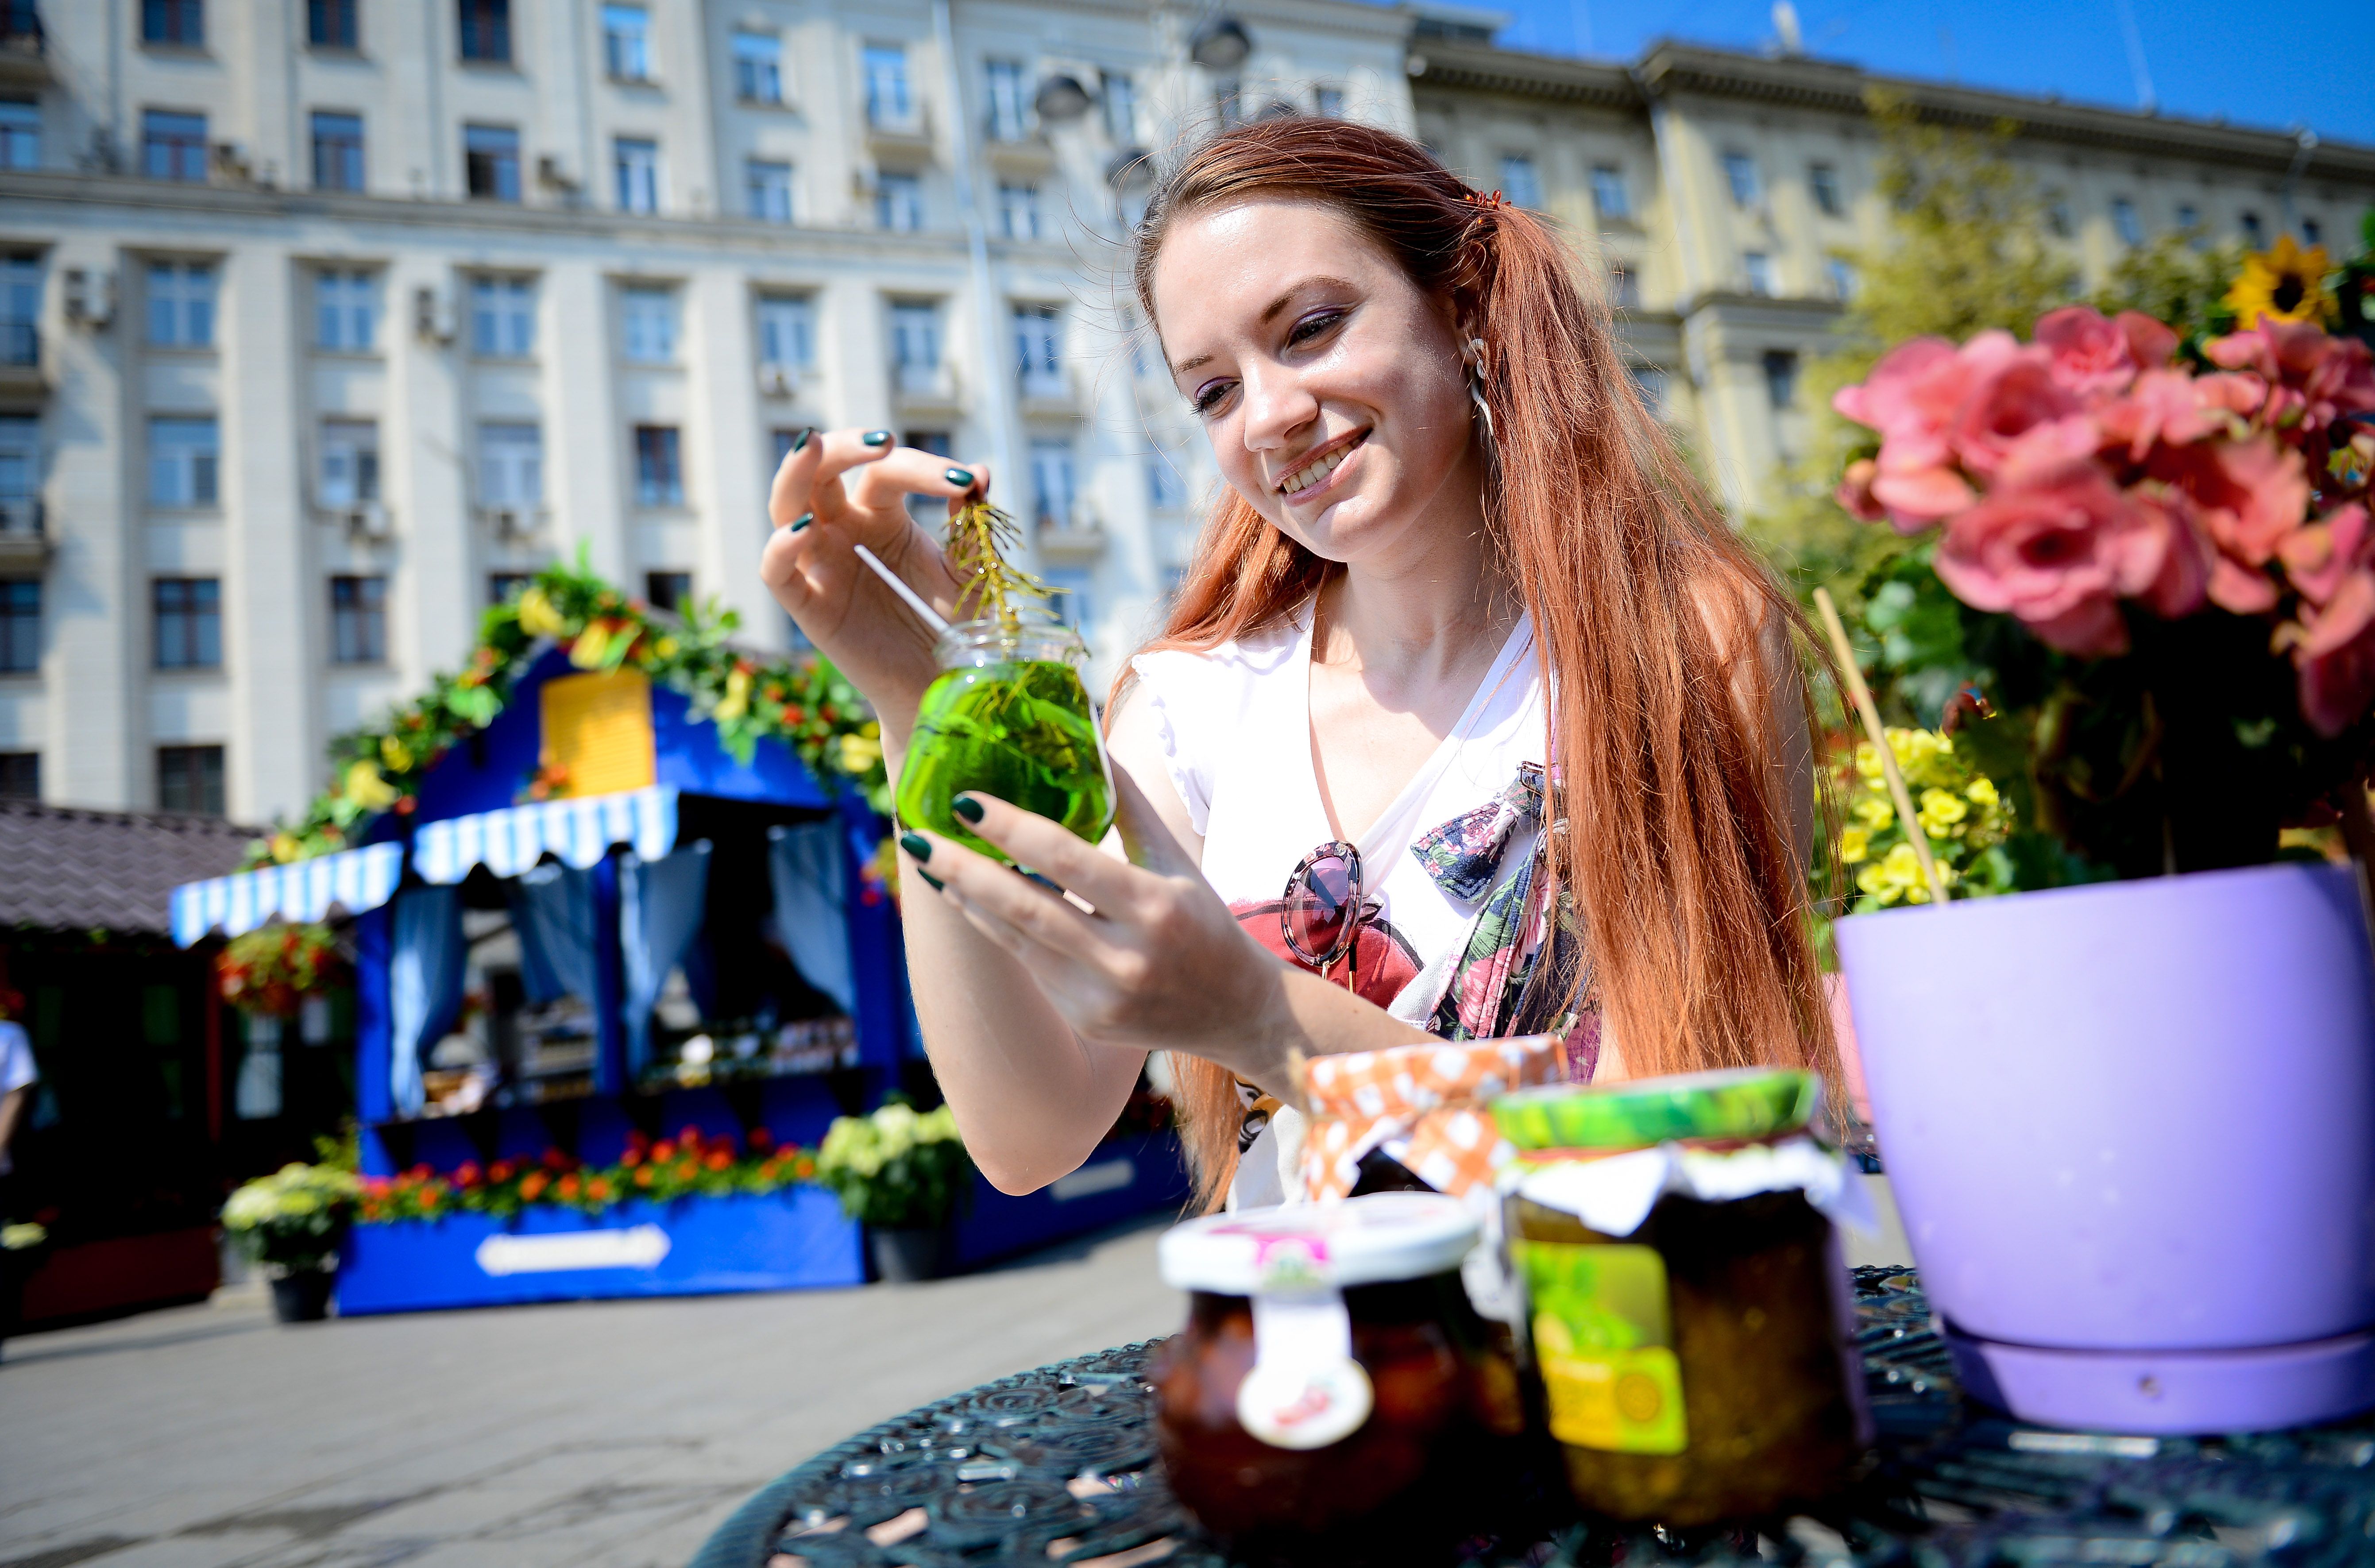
(63, 868)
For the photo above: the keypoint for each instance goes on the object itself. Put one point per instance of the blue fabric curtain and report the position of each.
(425, 979)
(659, 914)
(810, 874)
(553, 914)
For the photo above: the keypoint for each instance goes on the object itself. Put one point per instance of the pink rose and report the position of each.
(2336, 684)
(2250, 493)
(2009, 398)
(2163, 406)
(1882, 399)
(2059, 550)
(2151, 344)
(2242, 589)
(2090, 355)
(2183, 581)
(2322, 554)
(1854, 494)
(1917, 493)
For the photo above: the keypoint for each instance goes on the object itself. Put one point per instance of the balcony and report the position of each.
(1027, 154)
(24, 48)
(1073, 540)
(903, 137)
(1049, 393)
(23, 540)
(926, 389)
(21, 361)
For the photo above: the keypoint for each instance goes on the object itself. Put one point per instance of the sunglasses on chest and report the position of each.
(1321, 911)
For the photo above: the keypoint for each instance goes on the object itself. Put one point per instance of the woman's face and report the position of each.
(1333, 389)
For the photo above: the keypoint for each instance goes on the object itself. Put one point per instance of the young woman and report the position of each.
(1473, 718)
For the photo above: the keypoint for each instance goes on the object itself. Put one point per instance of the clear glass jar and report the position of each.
(1008, 718)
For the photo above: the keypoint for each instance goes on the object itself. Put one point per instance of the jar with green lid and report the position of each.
(1691, 1322)
(1008, 717)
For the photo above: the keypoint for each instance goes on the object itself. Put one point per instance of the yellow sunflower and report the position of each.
(2281, 283)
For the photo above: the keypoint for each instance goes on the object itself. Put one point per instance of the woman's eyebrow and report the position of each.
(1268, 312)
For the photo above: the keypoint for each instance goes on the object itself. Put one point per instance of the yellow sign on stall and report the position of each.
(598, 733)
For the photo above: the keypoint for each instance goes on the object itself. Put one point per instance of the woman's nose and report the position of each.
(1277, 406)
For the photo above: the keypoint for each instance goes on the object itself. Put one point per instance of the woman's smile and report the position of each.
(1315, 475)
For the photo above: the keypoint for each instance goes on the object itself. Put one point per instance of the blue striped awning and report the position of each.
(355, 879)
(580, 831)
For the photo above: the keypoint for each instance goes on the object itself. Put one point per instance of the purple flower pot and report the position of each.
(2131, 1129)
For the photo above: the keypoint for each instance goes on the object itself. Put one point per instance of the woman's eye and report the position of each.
(1208, 397)
(1313, 325)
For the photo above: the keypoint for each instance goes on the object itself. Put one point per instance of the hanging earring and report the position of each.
(1475, 359)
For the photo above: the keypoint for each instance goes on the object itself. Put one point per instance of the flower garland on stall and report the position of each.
(692, 1163)
(803, 702)
(271, 970)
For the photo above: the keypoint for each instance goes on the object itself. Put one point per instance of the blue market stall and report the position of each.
(674, 938)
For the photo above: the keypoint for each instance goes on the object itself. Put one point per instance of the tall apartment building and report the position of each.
(321, 321)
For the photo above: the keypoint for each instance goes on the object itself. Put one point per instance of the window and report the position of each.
(20, 474)
(2125, 223)
(511, 465)
(181, 304)
(490, 162)
(1226, 107)
(2313, 231)
(173, 145)
(1018, 211)
(20, 625)
(888, 102)
(1052, 491)
(899, 202)
(649, 318)
(333, 23)
(21, 134)
(669, 591)
(1780, 379)
(638, 165)
(627, 44)
(1518, 180)
(357, 620)
(1069, 603)
(758, 67)
(1608, 193)
(770, 186)
(20, 775)
(338, 152)
(1740, 173)
(346, 307)
(1623, 287)
(504, 586)
(659, 475)
(180, 23)
(190, 778)
(1842, 274)
(182, 455)
(349, 462)
(2057, 218)
(20, 310)
(1008, 119)
(1165, 491)
(502, 318)
(1039, 351)
(2254, 232)
(188, 623)
(1121, 108)
(487, 31)
(916, 346)
(1759, 268)
(1822, 180)
(786, 331)
(2188, 216)
(930, 511)
(1328, 101)
(1650, 383)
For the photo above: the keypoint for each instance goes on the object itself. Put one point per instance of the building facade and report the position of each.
(322, 321)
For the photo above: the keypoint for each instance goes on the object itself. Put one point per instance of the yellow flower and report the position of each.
(859, 753)
(2283, 283)
(737, 700)
(1942, 813)
(665, 648)
(285, 848)
(1854, 844)
(1982, 793)
(592, 645)
(395, 754)
(367, 789)
(1875, 815)
(539, 616)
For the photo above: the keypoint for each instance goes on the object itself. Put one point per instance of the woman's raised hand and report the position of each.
(841, 489)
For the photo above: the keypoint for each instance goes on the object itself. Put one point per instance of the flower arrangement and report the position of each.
(898, 1169)
(271, 970)
(651, 1170)
(802, 701)
(292, 1221)
(2161, 546)
(1960, 813)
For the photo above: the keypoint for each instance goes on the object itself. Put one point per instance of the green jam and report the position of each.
(1022, 732)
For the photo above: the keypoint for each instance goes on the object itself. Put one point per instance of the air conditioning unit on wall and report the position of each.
(368, 521)
(777, 380)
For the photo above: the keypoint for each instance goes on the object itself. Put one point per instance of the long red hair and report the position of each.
(1649, 613)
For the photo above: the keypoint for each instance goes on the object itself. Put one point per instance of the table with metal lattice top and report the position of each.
(1056, 1466)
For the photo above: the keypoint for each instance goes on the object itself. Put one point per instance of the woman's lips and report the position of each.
(1330, 464)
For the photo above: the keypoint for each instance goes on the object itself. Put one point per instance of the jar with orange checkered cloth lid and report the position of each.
(1425, 1107)
(1689, 1314)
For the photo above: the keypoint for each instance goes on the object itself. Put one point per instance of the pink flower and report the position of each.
(2164, 406)
(2323, 554)
(1854, 494)
(2242, 589)
(2336, 682)
(2250, 493)
(2090, 355)
(2151, 344)
(1883, 398)
(2059, 548)
(2183, 581)
(2010, 395)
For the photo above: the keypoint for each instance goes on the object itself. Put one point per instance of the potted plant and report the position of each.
(292, 1222)
(273, 969)
(899, 1173)
(2131, 1124)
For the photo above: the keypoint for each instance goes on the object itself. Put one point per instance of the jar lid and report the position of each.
(1363, 1241)
(1735, 1103)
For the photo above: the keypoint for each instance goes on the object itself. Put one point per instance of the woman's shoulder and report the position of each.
(1221, 675)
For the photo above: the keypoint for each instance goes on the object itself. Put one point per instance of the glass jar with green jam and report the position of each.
(1008, 717)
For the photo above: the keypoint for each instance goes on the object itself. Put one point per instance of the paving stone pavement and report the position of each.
(611, 1434)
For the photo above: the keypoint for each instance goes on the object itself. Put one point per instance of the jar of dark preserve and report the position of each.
(1334, 1397)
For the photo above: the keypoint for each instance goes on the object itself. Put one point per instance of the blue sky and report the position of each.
(2257, 62)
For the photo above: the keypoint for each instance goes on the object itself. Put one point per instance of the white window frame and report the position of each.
(787, 331)
(1039, 350)
(1756, 267)
(346, 310)
(915, 347)
(890, 95)
(1055, 482)
(1744, 180)
(647, 324)
(21, 134)
(1610, 195)
(511, 464)
(184, 472)
(348, 472)
(1006, 111)
(502, 317)
(1018, 209)
(627, 43)
(636, 162)
(757, 66)
(899, 200)
(1522, 182)
(767, 187)
(186, 291)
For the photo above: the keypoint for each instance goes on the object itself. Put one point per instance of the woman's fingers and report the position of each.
(911, 471)
(1053, 850)
(1012, 909)
(801, 488)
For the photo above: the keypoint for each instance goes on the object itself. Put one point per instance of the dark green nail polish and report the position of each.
(913, 844)
(961, 477)
(966, 806)
(800, 442)
(876, 437)
(931, 881)
(802, 521)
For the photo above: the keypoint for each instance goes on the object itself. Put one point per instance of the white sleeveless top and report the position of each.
(1235, 728)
